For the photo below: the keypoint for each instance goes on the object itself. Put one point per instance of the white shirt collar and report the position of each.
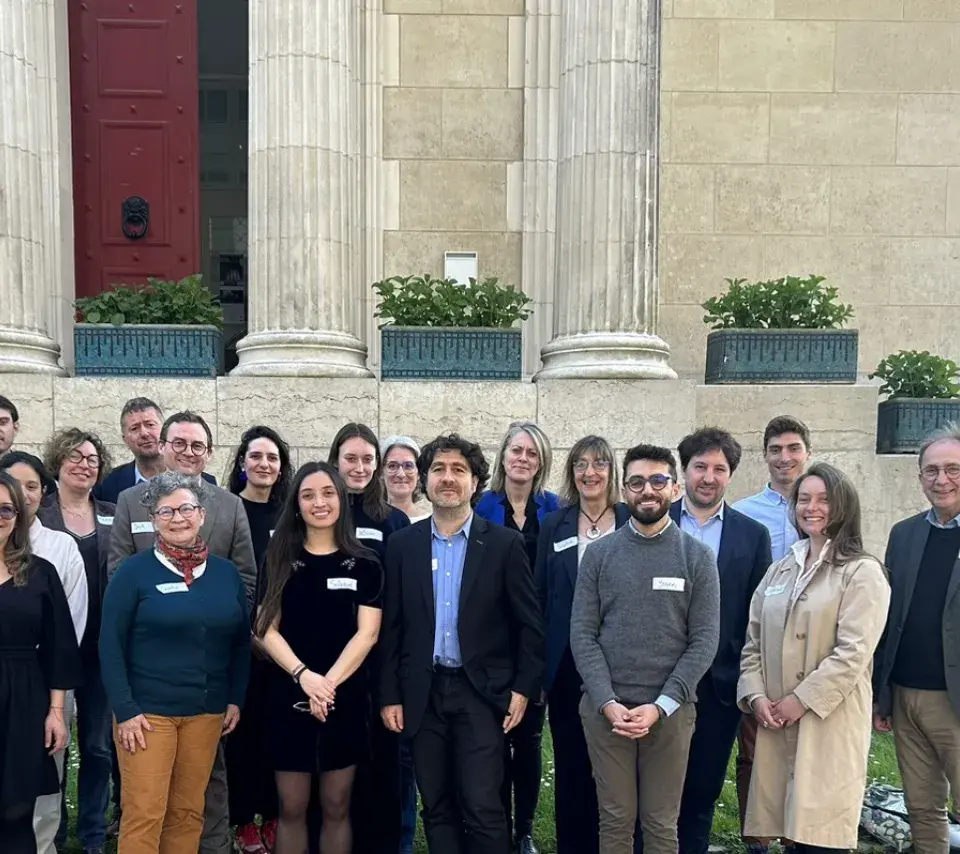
(801, 548)
(633, 527)
(200, 570)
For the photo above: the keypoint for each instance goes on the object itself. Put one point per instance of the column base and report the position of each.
(301, 354)
(606, 355)
(24, 352)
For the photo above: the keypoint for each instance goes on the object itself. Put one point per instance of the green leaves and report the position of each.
(920, 374)
(787, 303)
(188, 301)
(425, 301)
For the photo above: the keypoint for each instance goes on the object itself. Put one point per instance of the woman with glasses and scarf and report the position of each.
(175, 658)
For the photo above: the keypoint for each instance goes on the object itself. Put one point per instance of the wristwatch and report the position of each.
(663, 714)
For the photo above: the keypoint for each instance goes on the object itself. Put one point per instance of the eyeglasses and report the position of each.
(393, 466)
(598, 465)
(92, 460)
(931, 473)
(186, 511)
(304, 706)
(8, 512)
(181, 445)
(658, 482)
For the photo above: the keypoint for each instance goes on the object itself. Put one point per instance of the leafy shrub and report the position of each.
(426, 301)
(188, 301)
(787, 303)
(912, 373)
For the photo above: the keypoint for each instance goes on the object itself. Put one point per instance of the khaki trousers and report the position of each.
(644, 774)
(927, 734)
(163, 786)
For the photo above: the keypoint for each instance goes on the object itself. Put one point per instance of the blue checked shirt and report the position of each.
(449, 554)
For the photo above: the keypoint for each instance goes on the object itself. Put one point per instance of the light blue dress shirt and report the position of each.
(449, 554)
(935, 521)
(709, 532)
(771, 510)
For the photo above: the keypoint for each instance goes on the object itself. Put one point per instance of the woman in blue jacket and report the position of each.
(518, 500)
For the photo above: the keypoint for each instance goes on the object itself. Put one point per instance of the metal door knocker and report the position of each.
(135, 216)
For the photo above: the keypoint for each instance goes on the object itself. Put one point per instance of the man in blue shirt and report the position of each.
(462, 650)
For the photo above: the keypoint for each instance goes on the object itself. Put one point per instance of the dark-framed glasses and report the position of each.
(658, 482)
(931, 473)
(407, 465)
(598, 465)
(186, 511)
(181, 445)
(92, 460)
(8, 512)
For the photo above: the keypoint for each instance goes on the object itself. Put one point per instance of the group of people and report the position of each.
(297, 661)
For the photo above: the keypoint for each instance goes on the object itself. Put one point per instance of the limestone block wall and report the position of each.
(308, 412)
(814, 136)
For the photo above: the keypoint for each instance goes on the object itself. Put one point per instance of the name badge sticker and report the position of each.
(775, 591)
(677, 585)
(173, 587)
(434, 565)
(141, 527)
(272, 533)
(341, 584)
(104, 520)
(563, 545)
(370, 534)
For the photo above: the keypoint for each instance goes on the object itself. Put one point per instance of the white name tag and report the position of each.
(341, 584)
(675, 584)
(775, 591)
(104, 520)
(141, 527)
(173, 587)
(369, 534)
(433, 565)
(271, 533)
(563, 545)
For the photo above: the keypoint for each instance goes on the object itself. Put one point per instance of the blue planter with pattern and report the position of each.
(441, 353)
(903, 423)
(103, 350)
(781, 356)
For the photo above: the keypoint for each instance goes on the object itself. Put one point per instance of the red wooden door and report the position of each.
(134, 103)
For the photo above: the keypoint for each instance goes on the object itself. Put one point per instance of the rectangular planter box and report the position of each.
(781, 356)
(145, 350)
(436, 353)
(904, 423)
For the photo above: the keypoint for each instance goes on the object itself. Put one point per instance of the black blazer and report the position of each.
(556, 576)
(743, 560)
(908, 539)
(121, 478)
(501, 630)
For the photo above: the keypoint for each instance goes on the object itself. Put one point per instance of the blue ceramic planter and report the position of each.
(903, 423)
(781, 356)
(145, 351)
(432, 353)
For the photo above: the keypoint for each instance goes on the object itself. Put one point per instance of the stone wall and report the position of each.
(308, 412)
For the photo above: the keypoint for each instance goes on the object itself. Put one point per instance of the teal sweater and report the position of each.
(177, 653)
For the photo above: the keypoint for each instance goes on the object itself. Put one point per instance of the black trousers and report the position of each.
(375, 808)
(800, 848)
(458, 756)
(522, 771)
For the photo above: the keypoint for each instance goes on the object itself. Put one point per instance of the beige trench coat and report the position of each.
(808, 779)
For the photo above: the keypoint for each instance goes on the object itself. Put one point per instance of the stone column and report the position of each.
(30, 217)
(605, 315)
(306, 191)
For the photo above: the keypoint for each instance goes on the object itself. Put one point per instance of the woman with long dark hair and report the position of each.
(319, 619)
(261, 476)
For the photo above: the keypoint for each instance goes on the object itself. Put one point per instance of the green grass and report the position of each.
(726, 822)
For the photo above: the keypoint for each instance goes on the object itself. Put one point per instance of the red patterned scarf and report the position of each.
(185, 558)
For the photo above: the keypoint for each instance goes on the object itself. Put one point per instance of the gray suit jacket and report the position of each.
(904, 553)
(225, 530)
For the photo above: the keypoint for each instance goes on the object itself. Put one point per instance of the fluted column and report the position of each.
(605, 313)
(30, 221)
(306, 191)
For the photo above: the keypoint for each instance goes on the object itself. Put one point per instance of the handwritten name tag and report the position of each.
(341, 584)
(173, 587)
(141, 527)
(104, 520)
(563, 545)
(675, 584)
(775, 591)
(369, 534)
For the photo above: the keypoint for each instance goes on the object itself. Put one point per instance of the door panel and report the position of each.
(134, 101)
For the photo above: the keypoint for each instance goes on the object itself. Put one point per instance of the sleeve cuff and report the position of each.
(607, 703)
(668, 704)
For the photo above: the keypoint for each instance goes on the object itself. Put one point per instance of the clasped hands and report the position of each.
(785, 712)
(631, 723)
(321, 693)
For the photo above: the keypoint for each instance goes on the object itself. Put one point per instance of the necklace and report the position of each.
(593, 532)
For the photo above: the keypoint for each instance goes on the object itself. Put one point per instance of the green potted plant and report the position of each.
(921, 395)
(161, 329)
(785, 330)
(439, 329)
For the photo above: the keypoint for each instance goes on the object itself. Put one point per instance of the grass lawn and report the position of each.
(726, 823)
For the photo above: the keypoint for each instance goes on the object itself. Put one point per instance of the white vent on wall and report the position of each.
(460, 266)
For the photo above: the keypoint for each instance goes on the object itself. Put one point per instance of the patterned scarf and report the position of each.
(185, 558)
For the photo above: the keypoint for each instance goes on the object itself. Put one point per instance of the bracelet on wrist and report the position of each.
(298, 672)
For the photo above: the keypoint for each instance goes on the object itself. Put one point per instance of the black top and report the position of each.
(91, 563)
(262, 517)
(531, 526)
(920, 662)
(373, 534)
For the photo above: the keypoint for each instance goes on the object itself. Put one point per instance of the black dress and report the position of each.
(38, 653)
(318, 617)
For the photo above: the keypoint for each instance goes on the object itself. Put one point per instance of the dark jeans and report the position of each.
(522, 771)
(458, 756)
(94, 739)
(408, 795)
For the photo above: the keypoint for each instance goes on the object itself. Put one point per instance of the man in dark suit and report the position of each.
(741, 545)
(462, 650)
(917, 664)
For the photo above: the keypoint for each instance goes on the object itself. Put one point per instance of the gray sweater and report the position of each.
(646, 616)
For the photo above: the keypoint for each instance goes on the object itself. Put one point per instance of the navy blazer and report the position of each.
(490, 506)
(743, 560)
(121, 478)
(556, 575)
